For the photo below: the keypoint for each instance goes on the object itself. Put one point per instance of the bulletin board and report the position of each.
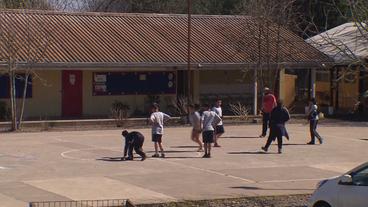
(130, 83)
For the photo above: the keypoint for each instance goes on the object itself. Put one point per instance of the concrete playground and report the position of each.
(82, 165)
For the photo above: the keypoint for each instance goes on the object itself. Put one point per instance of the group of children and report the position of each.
(205, 121)
(208, 122)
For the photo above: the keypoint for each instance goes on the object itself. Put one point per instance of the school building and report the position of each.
(80, 63)
(346, 82)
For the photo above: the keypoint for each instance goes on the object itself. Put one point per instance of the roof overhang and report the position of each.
(165, 66)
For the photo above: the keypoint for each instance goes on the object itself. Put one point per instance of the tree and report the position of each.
(21, 50)
(18, 4)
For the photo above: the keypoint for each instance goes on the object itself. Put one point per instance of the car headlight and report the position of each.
(321, 183)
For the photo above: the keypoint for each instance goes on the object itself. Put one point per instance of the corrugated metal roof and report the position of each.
(346, 43)
(142, 38)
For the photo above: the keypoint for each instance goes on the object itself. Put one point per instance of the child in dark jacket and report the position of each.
(279, 116)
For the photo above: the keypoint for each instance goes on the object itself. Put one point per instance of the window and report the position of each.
(360, 177)
(137, 83)
(19, 86)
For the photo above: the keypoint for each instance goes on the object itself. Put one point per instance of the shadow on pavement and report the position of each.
(174, 151)
(110, 159)
(185, 147)
(240, 137)
(291, 144)
(181, 158)
(251, 153)
(256, 188)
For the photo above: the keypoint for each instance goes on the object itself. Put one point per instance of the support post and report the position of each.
(337, 88)
(313, 83)
(189, 72)
(255, 92)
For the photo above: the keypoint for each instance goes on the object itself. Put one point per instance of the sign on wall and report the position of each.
(129, 83)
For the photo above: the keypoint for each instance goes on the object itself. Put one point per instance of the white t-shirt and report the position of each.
(195, 120)
(313, 109)
(157, 120)
(218, 111)
(209, 119)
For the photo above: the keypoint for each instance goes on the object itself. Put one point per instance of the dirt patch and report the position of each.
(269, 201)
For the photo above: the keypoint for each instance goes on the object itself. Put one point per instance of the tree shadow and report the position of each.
(257, 188)
(246, 188)
(251, 153)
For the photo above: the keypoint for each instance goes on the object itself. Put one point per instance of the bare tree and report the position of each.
(264, 34)
(344, 42)
(21, 50)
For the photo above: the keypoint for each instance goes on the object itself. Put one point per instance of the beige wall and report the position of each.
(99, 106)
(46, 96)
(224, 82)
(287, 88)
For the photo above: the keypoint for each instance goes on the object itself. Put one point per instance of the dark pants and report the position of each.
(137, 145)
(266, 123)
(313, 130)
(271, 138)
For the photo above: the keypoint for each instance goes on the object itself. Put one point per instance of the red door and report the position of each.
(72, 93)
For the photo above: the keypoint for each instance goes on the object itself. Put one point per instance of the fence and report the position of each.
(84, 203)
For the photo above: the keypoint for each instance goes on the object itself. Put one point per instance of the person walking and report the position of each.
(209, 119)
(268, 104)
(219, 130)
(157, 120)
(195, 121)
(279, 116)
(133, 140)
(313, 122)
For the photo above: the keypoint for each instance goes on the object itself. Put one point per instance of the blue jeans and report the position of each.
(313, 131)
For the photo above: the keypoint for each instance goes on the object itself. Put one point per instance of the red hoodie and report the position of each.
(268, 103)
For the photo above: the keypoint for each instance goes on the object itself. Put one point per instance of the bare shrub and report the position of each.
(178, 106)
(119, 112)
(240, 110)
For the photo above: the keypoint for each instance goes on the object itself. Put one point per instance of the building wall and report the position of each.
(287, 88)
(224, 82)
(348, 93)
(46, 96)
(230, 85)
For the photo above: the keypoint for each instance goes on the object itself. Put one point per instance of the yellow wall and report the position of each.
(46, 96)
(348, 93)
(323, 93)
(287, 88)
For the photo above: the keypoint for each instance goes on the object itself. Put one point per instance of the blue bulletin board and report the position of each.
(130, 83)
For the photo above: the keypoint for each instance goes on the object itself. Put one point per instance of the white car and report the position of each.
(349, 190)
